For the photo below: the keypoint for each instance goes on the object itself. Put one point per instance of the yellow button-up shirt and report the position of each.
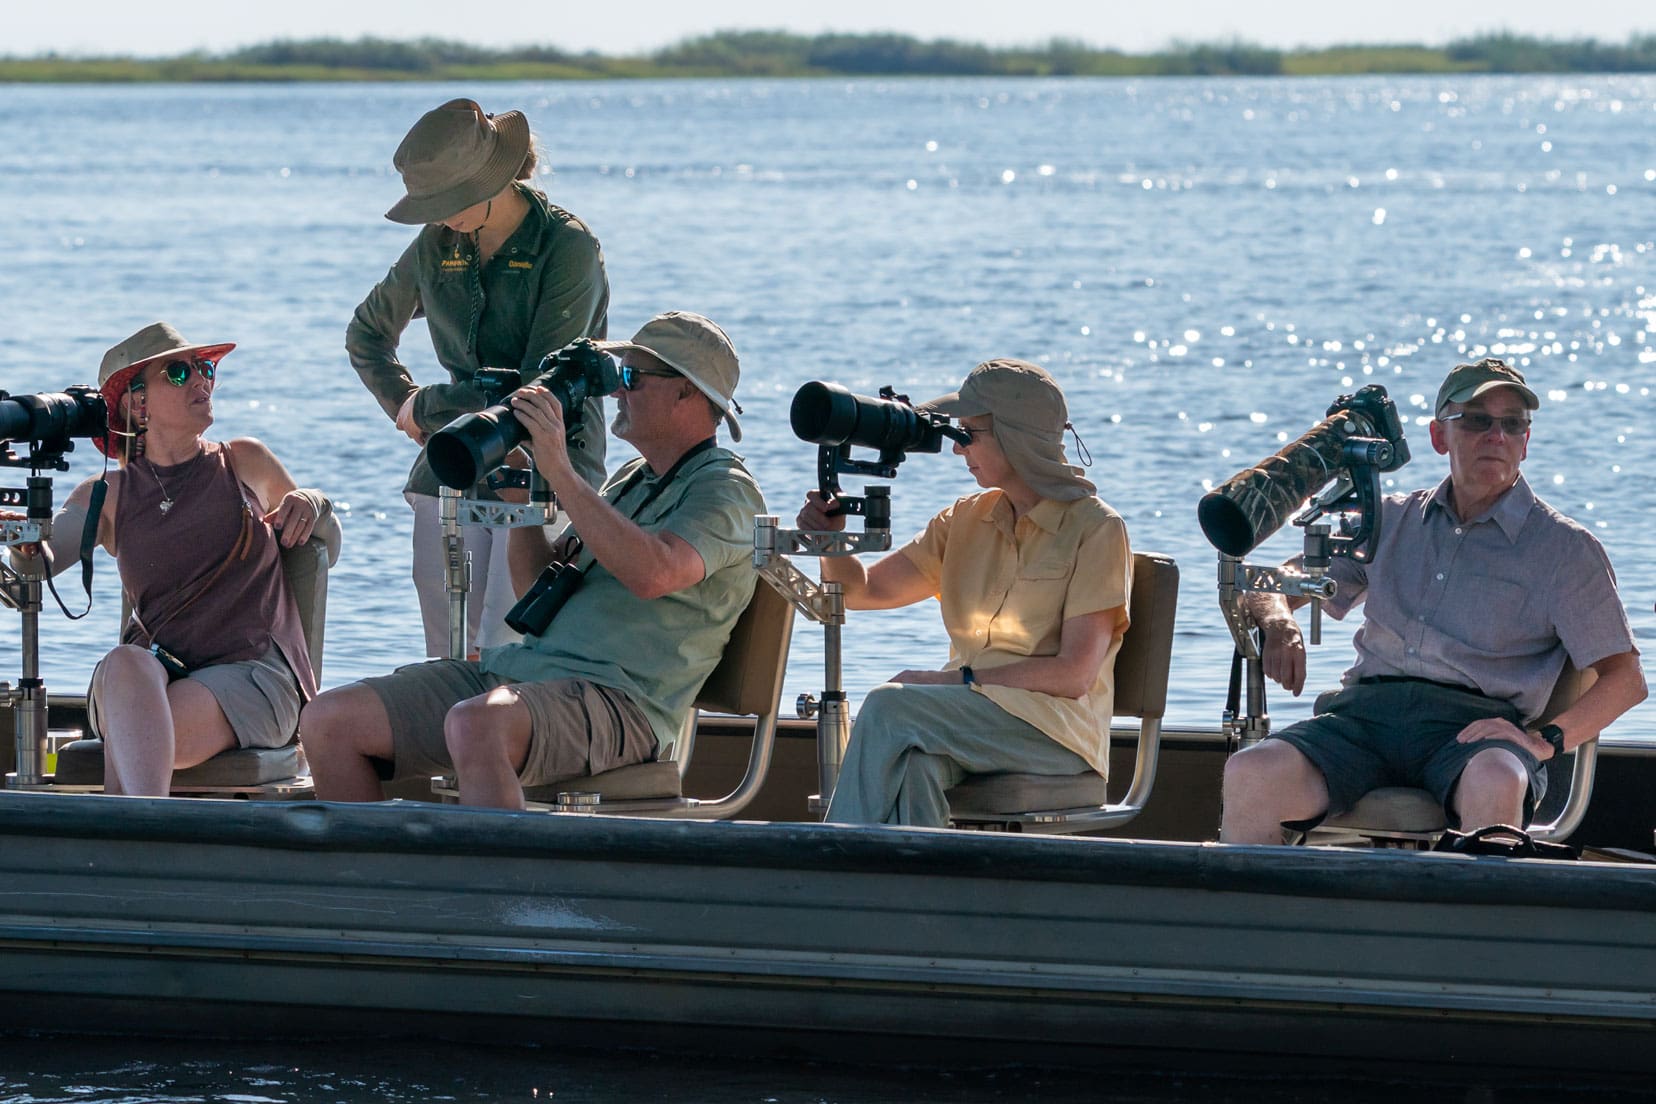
(1006, 588)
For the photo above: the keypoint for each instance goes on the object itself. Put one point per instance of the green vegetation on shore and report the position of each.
(780, 54)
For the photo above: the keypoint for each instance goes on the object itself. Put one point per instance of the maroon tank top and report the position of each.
(202, 569)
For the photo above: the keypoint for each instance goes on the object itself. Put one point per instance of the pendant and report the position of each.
(166, 504)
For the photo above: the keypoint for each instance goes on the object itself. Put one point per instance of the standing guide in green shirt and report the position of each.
(664, 554)
(502, 277)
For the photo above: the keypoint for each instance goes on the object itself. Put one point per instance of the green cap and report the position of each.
(1466, 382)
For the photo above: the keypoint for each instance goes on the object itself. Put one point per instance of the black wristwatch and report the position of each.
(968, 676)
(1554, 737)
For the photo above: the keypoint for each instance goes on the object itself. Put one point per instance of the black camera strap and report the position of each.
(88, 542)
(634, 480)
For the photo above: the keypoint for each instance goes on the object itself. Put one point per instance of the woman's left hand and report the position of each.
(928, 678)
(295, 517)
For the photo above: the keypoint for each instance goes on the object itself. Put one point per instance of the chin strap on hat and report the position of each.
(1081, 451)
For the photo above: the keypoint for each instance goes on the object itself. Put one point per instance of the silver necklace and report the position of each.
(166, 499)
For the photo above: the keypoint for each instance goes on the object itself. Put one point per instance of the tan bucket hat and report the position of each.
(456, 157)
(1030, 417)
(156, 341)
(698, 350)
(1466, 382)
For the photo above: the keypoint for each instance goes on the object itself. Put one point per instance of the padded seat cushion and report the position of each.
(1009, 792)
(638, 782)
(81, 764)
(1393, 809)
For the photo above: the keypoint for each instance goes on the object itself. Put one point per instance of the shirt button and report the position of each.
(1411, 651)
(1440, 576)
(1422, 617)
(1459, 531)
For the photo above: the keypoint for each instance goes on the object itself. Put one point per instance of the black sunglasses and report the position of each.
(1476, 421)
(631, 375)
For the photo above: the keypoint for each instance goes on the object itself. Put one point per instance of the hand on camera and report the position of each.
(295, 517)
(541, 416)
(21, 551)
(814, 516)
(405, 419)
(1284, 654)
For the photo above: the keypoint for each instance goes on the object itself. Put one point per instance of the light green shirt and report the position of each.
(658, 651)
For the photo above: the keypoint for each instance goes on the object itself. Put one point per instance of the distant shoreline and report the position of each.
(778, 54)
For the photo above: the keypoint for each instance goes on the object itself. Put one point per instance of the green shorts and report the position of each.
(577, 728)
(1402, 733)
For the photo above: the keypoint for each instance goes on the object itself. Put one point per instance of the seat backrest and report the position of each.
(745, 681)
(1147, 647)
(1570, 686)
(306, 568)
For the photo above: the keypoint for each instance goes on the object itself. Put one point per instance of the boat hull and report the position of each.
(250, 919)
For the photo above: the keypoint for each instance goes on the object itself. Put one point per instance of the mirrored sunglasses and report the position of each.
(177, 372)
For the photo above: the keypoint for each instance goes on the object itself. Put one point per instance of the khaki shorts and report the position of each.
(577, 728)
(259, 697)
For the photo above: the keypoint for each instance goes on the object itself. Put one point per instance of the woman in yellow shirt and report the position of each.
(1032, 575)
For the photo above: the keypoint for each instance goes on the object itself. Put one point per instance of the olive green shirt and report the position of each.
(658, 651)
(542, 289)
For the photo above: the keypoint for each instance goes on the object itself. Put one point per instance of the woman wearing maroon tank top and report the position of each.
(213, 656)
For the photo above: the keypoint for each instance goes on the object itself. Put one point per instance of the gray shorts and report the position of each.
(1402, 733)
(577, 728)
(259, 697)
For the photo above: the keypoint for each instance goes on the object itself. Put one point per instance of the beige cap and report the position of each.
(696, 349)
(1466, 382)
(1030, 417)
(155, 341)
(456, 157)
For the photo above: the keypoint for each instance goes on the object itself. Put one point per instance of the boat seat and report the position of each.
(746, 682)
(1013, 801)
(241, 772)
(1402, 816)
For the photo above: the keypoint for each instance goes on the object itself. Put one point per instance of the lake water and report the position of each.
(1204, 264)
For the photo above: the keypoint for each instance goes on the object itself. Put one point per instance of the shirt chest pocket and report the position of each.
(1040, 586)
(1489, 615)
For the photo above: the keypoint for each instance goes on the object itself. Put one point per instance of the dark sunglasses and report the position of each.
(1476, 421)
(630, 376)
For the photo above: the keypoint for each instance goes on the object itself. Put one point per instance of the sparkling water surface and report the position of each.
(1204, 264)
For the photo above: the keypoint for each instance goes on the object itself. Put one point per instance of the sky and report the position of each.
(165, 27)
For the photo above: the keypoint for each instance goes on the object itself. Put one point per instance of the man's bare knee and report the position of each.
(346, 719)
(1492, 788)
(1264, 786)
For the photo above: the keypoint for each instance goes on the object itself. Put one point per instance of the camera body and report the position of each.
(471, 446)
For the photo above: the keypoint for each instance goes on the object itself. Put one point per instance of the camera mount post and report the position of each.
(824, 603)
(455, 509)
(456, 568)
(21, 588)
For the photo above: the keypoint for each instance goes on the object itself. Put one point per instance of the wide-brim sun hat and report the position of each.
(696, 349)
(156, 341)
(456, 157)
(1030, 416)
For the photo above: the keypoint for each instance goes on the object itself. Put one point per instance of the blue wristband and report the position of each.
(968, 676)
